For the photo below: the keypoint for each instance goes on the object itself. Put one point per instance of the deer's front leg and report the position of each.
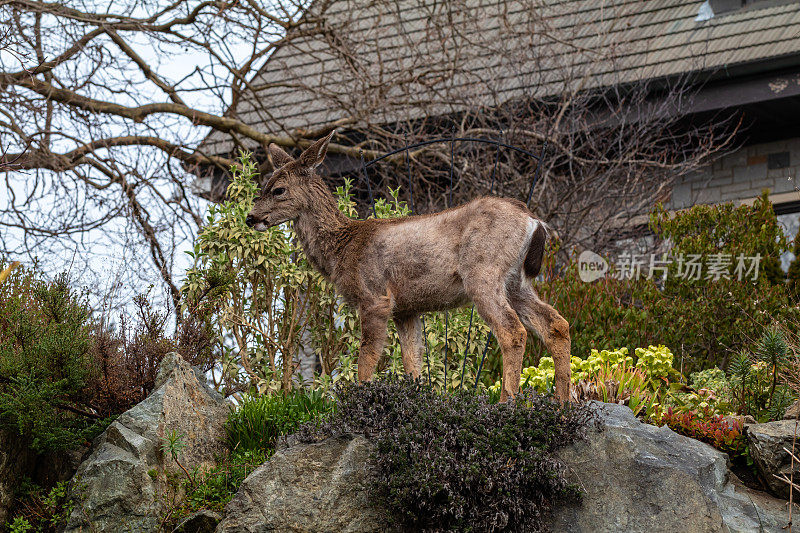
(374, 319)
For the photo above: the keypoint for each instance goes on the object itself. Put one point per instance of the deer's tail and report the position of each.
(533, 259)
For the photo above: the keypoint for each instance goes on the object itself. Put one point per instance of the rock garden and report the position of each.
(683, 413)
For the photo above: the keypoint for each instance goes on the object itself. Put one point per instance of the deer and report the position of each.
(486, 251)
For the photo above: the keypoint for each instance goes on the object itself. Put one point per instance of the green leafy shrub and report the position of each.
(713, 318)
(19, 525)
(709, 395)
(754, 384)
(457, 462)
(45, 362)
(753, 378)
(212, 489)
(215, 488)
(706, 321)
(43, 510)
(653, 364)
(259, 420)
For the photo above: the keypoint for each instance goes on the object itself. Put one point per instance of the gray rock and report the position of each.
(640, 478)
(635, 478)
(117, 487)
(767, 442)
(203, 521)
(793, 411)
(309, 488)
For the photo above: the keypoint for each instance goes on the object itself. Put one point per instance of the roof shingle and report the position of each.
(397, 59)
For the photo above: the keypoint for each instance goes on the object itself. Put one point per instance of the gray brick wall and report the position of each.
(739, 176)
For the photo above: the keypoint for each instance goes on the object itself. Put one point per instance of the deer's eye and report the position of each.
(278, 191)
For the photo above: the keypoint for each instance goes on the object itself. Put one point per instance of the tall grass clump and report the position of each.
(260, 420)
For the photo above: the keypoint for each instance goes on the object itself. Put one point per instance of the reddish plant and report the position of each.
(724, 435)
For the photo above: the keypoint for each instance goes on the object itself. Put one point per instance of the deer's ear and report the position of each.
(277, 156)
(314, 155)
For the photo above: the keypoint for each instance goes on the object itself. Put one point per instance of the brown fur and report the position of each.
(484, 251)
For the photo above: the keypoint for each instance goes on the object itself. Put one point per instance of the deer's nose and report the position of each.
(250, 221)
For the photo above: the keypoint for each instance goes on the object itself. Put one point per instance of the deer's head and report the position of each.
(287, 193)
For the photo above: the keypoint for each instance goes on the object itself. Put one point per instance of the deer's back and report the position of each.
(427, 262)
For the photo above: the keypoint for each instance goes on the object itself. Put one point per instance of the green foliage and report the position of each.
(754, 378)
(173, 443)
(42, 511)
(207, 489)
(19, 525)
(45, 362)
(713, 318)
(457, 462)
(705, 321)
(709, 395)
(260, 294)
(259, 420)
(753, 385)
(212, 489)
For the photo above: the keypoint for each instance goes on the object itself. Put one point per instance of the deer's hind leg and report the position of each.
(507, 327)
(543, 320)
(374, 316)
(409, 329)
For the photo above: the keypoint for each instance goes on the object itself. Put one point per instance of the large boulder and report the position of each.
(118, 487)
(309, 488)
(768, 444)
(635, 478)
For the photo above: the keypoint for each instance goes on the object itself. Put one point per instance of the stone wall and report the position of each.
(743, 175)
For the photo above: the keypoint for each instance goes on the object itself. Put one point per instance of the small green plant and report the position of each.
(773, 350)
(215, 488)
(754, 377)
(709, 394)
(457, 461)
(211, 489)
(39, 509)
(651, 368)
(172, 444)
(19, 525)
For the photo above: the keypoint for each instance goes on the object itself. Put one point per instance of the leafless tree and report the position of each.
(103, 107)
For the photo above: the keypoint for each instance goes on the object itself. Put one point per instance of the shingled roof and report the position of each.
(505, 52)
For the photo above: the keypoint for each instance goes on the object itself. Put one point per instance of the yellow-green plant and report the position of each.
(653, 364)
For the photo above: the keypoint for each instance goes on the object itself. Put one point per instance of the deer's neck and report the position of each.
(320, 229)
